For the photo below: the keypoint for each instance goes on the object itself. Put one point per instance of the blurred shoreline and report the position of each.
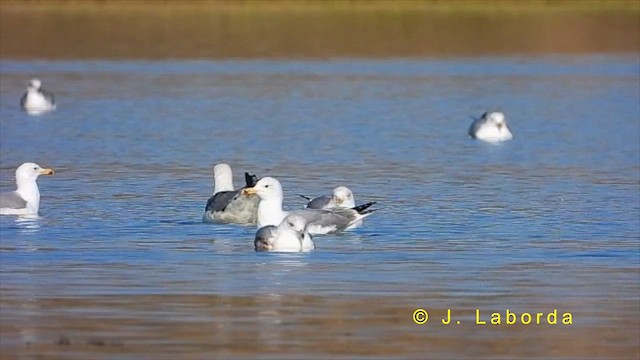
(112, 29)
(284, 5)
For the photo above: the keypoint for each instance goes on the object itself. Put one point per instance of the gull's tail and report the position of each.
(250, 180)
(363, 211)
(364, 208)
(308, 198)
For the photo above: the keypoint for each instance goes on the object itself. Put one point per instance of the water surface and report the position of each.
(119, 264)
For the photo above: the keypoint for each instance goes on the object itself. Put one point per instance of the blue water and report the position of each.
(549, 219)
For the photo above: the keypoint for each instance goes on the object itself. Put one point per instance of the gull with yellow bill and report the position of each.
(318, 221)
(25, 200)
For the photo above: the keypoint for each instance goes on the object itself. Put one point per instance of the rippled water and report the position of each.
(119, 264)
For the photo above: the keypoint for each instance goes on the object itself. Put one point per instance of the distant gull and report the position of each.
(37, 100)
(342, 197)
(26, 199)
(229, 206)
(492, 127)
(290, 235)
(318, 221)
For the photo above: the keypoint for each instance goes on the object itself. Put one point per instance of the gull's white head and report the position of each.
(496, 118)
(35, 84)
(29, 172)
(294, 223)
(291, 235)
(266, 188)
(222, 177)
(343, 197)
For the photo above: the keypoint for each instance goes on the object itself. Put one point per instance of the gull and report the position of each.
(318, 221)
(342, 197)
(26, 199)
(290, 235)
(491, 127)
(37, 100)
(229, 206)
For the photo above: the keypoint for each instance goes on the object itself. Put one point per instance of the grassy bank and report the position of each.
(112, 29)
(329, 5)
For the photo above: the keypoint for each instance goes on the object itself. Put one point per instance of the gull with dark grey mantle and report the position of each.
(229, 206)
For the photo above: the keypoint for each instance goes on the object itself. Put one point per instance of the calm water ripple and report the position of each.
(119, 260)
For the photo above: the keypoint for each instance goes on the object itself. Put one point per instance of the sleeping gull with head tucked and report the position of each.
(290, 235)
(342, 197)
(229, 206)
(37, 100)
(26, 199)
(318, 221)
(491, 127)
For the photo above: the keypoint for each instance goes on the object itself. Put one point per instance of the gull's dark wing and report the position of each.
(219, 201)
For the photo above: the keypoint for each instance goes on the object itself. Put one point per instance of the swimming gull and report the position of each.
(26, 199)
(318, 221)
(229, 206)
(37, 100)
(491, 127)
(342, 196)
(290, 235)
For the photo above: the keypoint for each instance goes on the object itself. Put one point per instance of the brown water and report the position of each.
(292, 326)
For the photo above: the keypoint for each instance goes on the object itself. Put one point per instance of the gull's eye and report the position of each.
(35, 168)
(266, 186)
